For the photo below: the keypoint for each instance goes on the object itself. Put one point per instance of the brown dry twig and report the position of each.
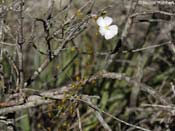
(39, 98)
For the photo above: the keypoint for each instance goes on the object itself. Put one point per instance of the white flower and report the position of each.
(105, 28)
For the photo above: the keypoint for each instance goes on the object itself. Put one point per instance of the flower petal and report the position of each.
(100, 21)
(102, 30)
(108, 35)
(107, 20)
(111, 32)
(114, 29)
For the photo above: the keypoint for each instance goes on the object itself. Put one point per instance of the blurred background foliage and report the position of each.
(152, 66)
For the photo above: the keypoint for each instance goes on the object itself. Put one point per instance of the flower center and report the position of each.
(106, 27)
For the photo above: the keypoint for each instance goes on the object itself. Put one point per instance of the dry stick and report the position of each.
(100, 118)
(172, 88)
(47, 37)
(102, 121)
(72, 18)
(34, 100)
(129, 21)
(132, 50)
(79, 120)
(10, 122)
(152, 12)
(56, 53)
(46, 26)
(1, 34)
(57, 94)
(7, 44)
(24, 106)
(145, 48)
(32, 37)
(69, 63)
(62, 10)
(15, 68)
(167, 107)
(115, 118)
(20, 43)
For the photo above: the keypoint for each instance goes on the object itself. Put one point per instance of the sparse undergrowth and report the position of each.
(62, 68)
